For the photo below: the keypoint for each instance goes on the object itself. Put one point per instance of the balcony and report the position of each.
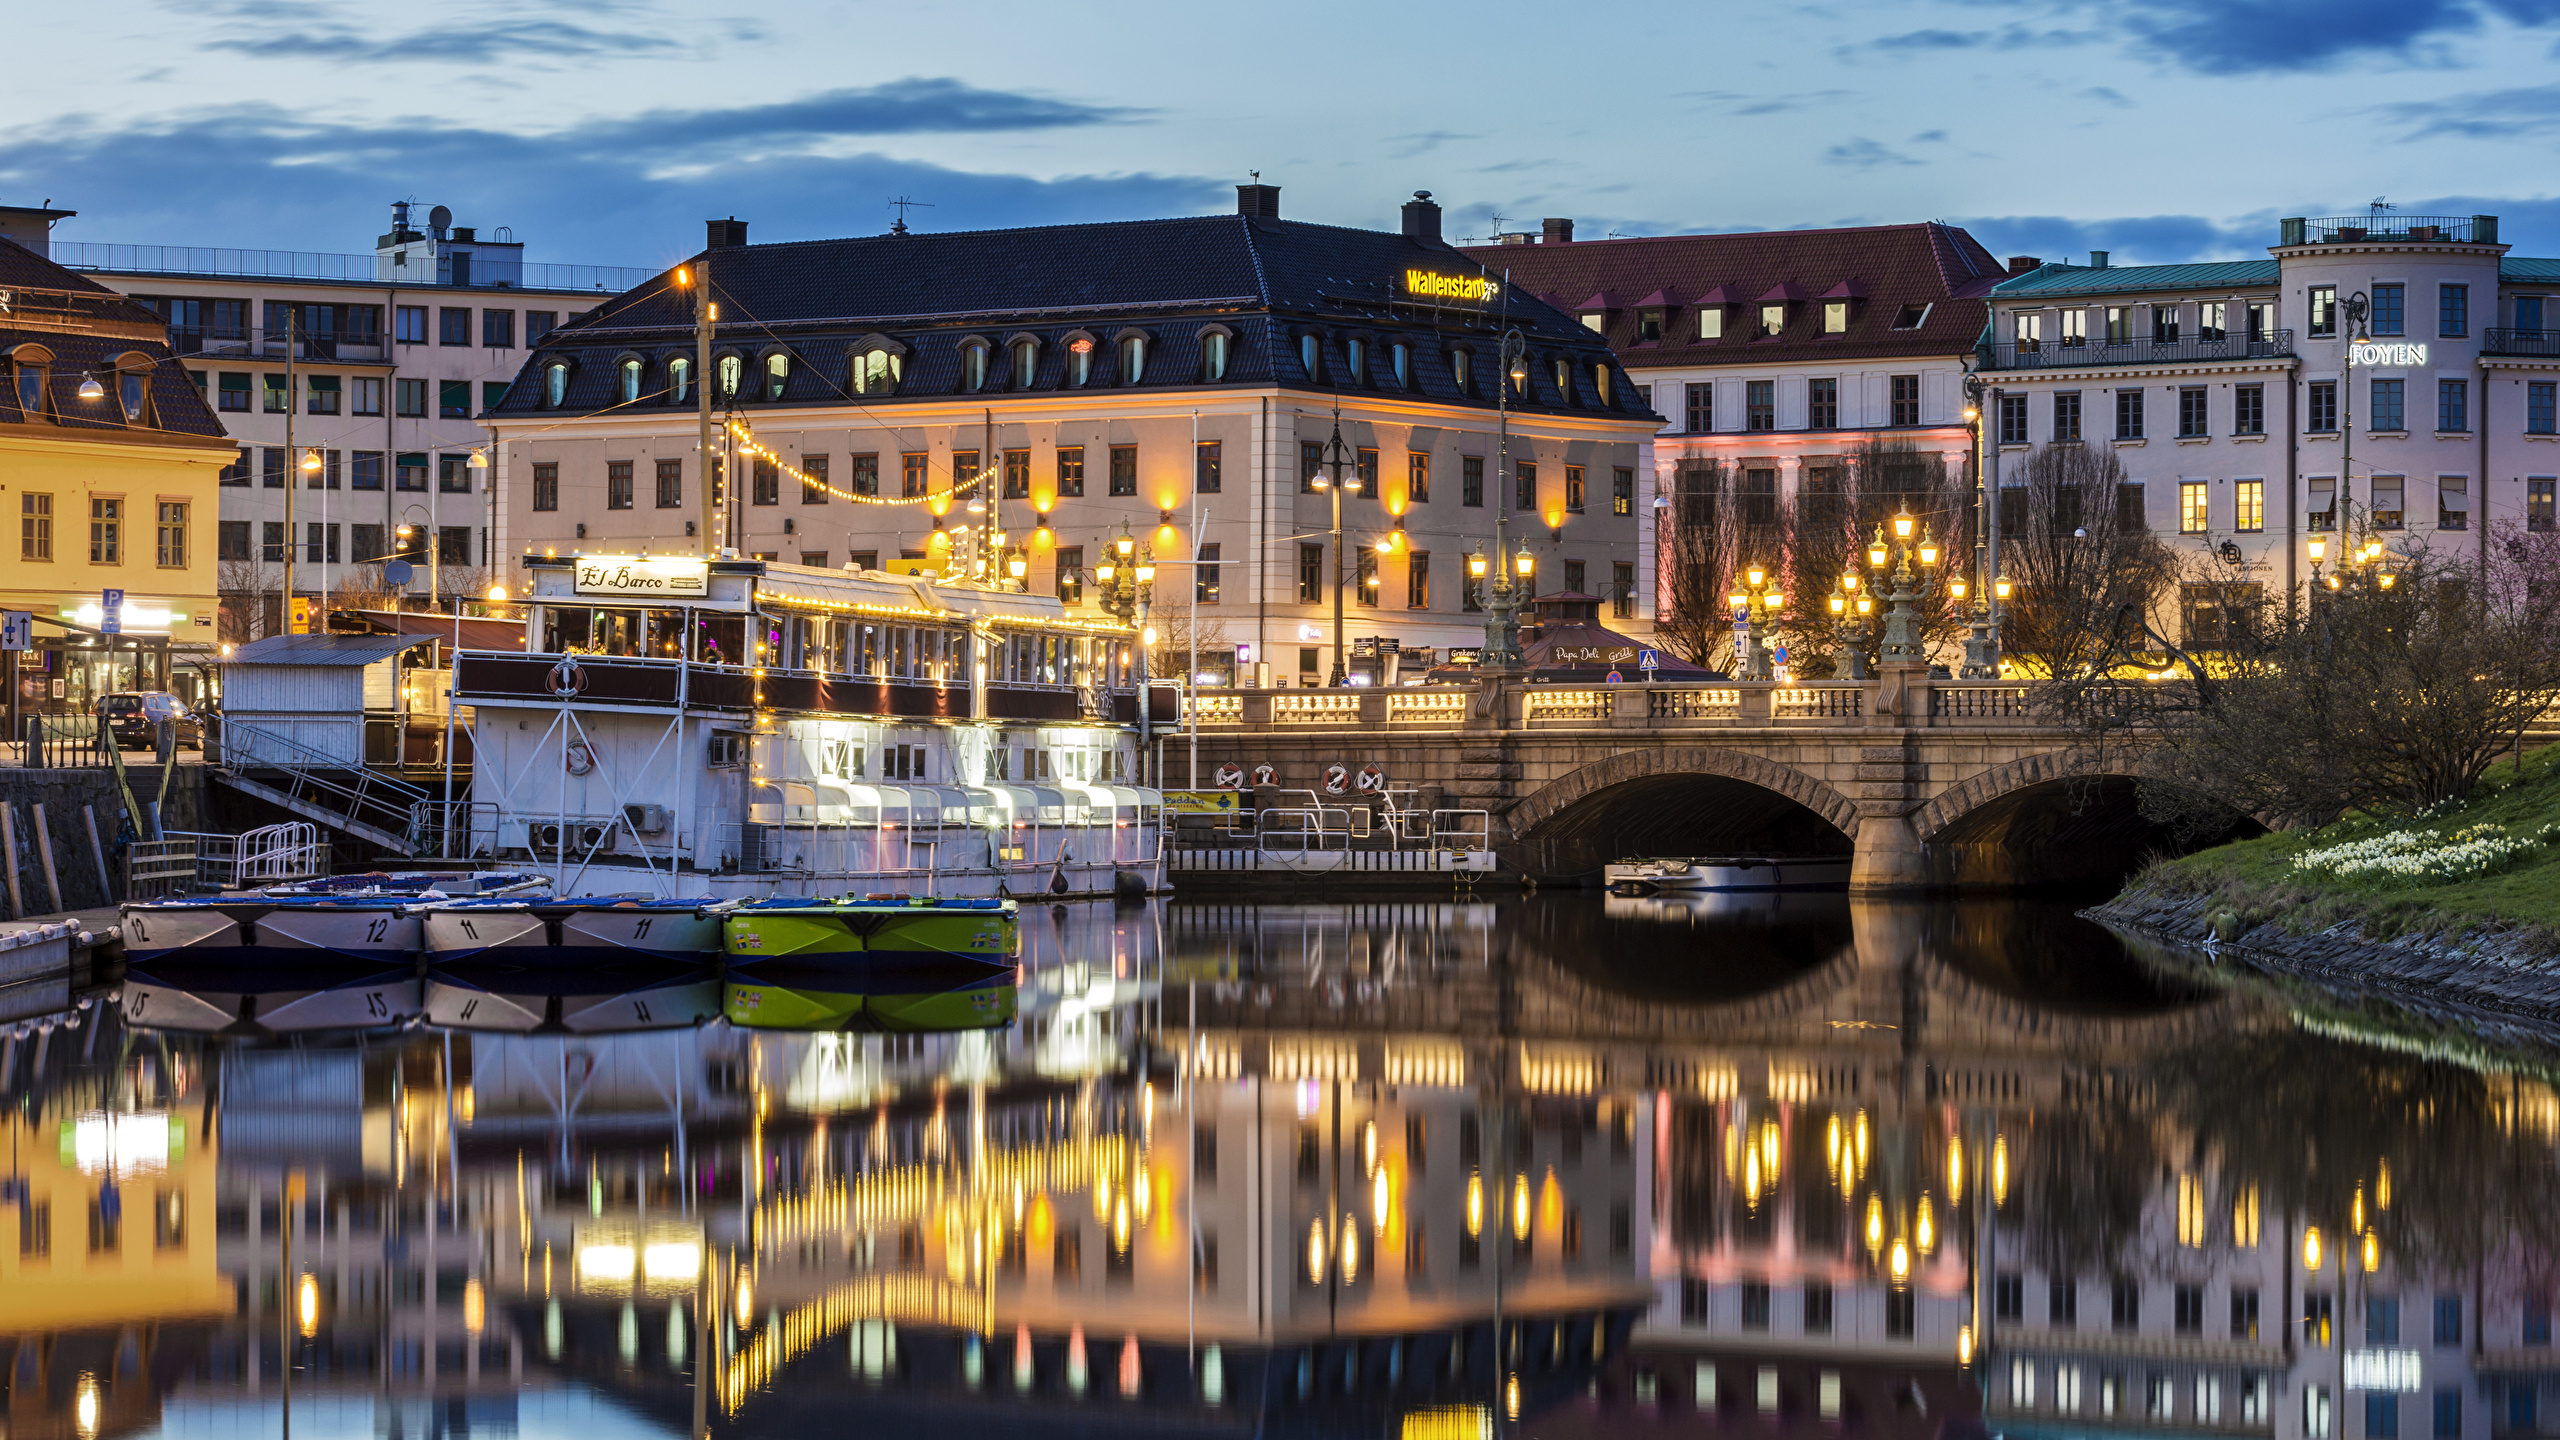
(2086, 354)
(2543, 344)
(2387, 226)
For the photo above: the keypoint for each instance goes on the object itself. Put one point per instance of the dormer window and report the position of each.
(877, 372)
(627, 382)
(1648, 327)
(680, 379)
(1311, 356)
(1835, 317)
(1711, 322)
(133, 386)
(777, 375)
(1911, 317)
(973, 367)
(1564, 380)
(1355, 357)
(1400, 360)
(1133, 359)
(555, 384)
(1604, 381)
(1773, 319)
(1080, 361)
(1216, 348)
(732, 371)
(1462, 367)
(31, 371)
(1026, 363)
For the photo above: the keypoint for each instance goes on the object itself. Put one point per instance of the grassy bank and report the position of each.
(2490, 865)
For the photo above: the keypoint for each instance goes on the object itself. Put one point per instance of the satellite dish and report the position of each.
(439, 218)
(399, 572)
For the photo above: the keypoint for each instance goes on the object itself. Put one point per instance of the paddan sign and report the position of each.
(642, 577)
(1431, 285)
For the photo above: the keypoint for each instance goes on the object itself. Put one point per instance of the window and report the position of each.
(2213, 319)
(1462, 370)
(2529, 313)
(1622, 491)
(973, 367)
(2244, 1312)
(411, 471)
(2013, 419)
(278, 398)
(2453, 406)
(2322, 407)
(1417, 477)
(453, 399)
(1311, 356)
(1070, 574)
(2453, 310)
(2075, 328)
(106, 531)
(2381, 1407)
(1648, 326)
(2022, 1383)
(1208, 468)
(232, 393)
(2189, 1304)
(2390, 306)
(539, 323)
(237, 472)
(1310, 466)
(1471, 481)
(1566, 392)
(1773, 319)
(453, 474)
(1524, 484)
(2129, 414)
(1310, 574)
(1906, 400)
(1204, 575)
(2191, 411)
(323, 395)
(271, 467)
(2192, 507)
(764, 481)
(2164, 324)
(964, 468)
(2448, 1414)
(2323, 503)
(1573, 488)
(1622, 590)
(813, 478)
(2537, 1320)
(2249, 506)
(2390, 406)
(1702, 407)
(493, 393)
(1133, 359)
(1835, 317)
(2315, 1412)
(2027, 328)
(2448, 1320)
(366, 396)
(2066, 415)
(35, 526)
(865, 479)
(1070, 472)
(498, 329)
(2387, 510)
(2124, 1304)
(1912, 317)
(1755, 1305)
(1366, 590)
(1760, 405)
(2541, 502)
(1822, 403)
(453, 324)
(2324, 312)
(2541, 407)
(366, 471)
(671, 484)
(2249, 410)
(231, 540)
(1573, 574)
(409, 399)
(408, 324)
(1417, 581)
(617, 484)
(2119, 324)
(912, 472)
(271, 541)
(2453, 502)
(546, 485)
(1124, 469)
(1367, 469)
(453, 545)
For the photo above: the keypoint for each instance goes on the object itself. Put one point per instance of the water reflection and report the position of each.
(1565, 1166)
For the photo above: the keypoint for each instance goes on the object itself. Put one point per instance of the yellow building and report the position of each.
(109, 458)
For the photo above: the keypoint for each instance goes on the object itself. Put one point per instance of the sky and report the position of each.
(607, 131)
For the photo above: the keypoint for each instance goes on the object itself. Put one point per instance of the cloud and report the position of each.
(1939, 40)
(1930, 137)
(2243, 37)
(1423, 141)
(1861, 153)
(589, 194)
(2130, 240)
(2107, 94)
(474, 44)
(2481, 115)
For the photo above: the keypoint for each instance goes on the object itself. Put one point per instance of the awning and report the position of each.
(324, 649)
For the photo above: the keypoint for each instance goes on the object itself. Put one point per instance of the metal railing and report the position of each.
(292, 851)
(66, 742)
(154, 868)
(316, 777)
(487, 271)
(2387, 225)
(2503, 341)
(2065, 355)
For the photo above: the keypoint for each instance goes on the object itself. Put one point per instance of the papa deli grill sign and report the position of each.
(642, 577)
(1432, 285)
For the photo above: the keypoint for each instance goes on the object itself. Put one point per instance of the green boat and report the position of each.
(871, 963)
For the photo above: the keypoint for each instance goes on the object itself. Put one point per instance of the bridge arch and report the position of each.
(1673, 800)
(2057, 817)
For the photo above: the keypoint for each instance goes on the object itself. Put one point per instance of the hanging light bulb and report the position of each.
(90, 389)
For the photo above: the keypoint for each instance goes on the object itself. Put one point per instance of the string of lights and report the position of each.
(748, 445)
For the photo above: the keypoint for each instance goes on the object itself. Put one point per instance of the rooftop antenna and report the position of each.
(904, 205)
(2377, 205)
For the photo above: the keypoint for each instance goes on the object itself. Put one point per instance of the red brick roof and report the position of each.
(1888, 267)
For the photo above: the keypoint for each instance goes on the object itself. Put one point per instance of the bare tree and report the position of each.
(244, 602)
(1176, 633)
(1838, 511)
(2076, 549)
(1695, 547)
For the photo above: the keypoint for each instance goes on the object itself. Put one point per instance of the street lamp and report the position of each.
(1851, 605)
(425, 532)
(1502, 603)
(1902, 642)
(1755, 601)
(1334, 459)
(1982, 642)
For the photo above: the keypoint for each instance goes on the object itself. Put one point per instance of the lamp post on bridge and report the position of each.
(1755, 599)
(1902, 641)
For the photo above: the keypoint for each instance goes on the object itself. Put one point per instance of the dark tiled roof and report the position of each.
(1269, 282)
(1890, 266)
(175, 404)
(2115, 279)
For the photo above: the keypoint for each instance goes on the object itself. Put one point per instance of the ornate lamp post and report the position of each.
(1335, 457)
(1755, 601)
(1982, 644)
(1902, 642)
(1849, 598)
(1502, 621)
(1127, 576)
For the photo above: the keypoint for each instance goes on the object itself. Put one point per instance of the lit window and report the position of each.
(2249, 505)
(1564, 381)
(1400, 359)
(1355, 365)
(1462, 367)
(627, 385)
(777, 375)
(1026, 363)
(1835, 317)
(1711, 322)
(680, 379)
(973, 368)
(733, 370)
(1605, 381)
(2192, 507)
(1080, 360)
(1133, 359)
(106, 532)
(1311, 356)
(1773, 319)
(555, 384)
(876, 372)
(132, 388)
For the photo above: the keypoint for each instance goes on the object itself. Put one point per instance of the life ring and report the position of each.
(1266, 774)
(1336, 779)
(566, 679)
(1372, 778)
(1230, 776)
(580, 757)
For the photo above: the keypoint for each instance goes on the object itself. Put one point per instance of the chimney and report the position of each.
(2021, 264)
(1421, 217)
(1559, 232)
(1258, 202)
(2097, 259)
(724, 234)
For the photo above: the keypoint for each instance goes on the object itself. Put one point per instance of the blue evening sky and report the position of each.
(606, 131)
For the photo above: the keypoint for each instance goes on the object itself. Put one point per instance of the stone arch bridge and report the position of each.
(1924, 783)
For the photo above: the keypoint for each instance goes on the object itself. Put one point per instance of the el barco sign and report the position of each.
(1430, 284)
(2368, 353)
(642, 577)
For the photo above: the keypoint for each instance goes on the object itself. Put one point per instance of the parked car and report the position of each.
(134, 716)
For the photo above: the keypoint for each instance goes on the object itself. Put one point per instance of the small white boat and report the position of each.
(233, 1004)
(365, 918)
(583, 964)
(1727, 872)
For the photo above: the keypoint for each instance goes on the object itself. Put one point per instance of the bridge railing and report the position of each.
(1708, 705)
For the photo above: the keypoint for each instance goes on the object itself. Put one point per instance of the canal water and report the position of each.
(1557, 1166)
